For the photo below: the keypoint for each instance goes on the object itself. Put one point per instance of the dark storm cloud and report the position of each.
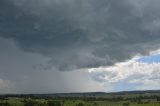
(81, 33)
(17, 74)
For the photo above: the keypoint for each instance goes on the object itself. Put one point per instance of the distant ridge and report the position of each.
(87, 94)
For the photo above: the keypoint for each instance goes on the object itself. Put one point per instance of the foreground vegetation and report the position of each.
(151, 99)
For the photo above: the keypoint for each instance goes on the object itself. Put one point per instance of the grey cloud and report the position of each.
(80, 34)
(17, 74)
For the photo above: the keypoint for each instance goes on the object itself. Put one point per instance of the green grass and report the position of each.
(40, 102)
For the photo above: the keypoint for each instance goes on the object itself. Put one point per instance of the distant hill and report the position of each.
(86, 94)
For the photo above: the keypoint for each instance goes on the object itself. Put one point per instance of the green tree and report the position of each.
(54, 103)
(80, 104)
(30, 103)
(126, 104)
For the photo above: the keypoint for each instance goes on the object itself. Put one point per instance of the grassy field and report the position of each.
(42, 102)
(19, 102)
(118, 99)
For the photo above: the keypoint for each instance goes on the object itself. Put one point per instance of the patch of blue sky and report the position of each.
(150, 59)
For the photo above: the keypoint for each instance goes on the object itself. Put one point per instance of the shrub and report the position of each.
(54, 103)
(80, 104)
(126, 104)
(30, 103)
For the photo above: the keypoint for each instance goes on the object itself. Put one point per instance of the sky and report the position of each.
(59, 46)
